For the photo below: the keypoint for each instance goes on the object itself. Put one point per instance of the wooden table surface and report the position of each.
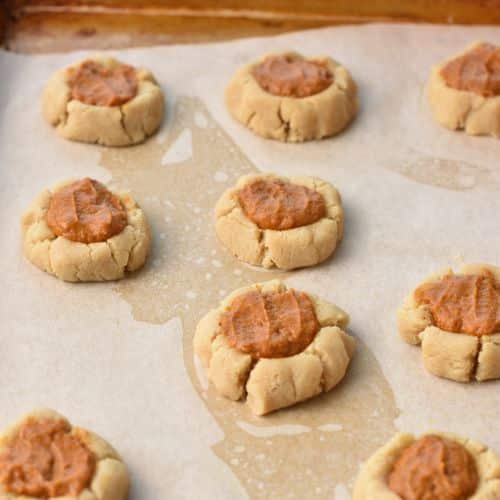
(59, 25)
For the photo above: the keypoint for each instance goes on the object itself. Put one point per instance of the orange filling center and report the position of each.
(291, 76)
(463, 304)
(434, 468)
(478, 71)
(86, 211)
(98, 85)
(276, 204)
(271, 324)
(46, 460)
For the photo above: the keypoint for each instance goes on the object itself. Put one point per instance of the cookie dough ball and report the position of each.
(81, 231)
(273, 221)
(44, 456)
(464, 91)
(274, 346)
(101, 100)
(291, 98)
(456, 319)
(435, 466)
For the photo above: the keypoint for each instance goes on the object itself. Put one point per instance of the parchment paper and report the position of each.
(117, 357)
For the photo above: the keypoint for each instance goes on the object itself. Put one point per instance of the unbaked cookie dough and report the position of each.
(80, 231)
(288, 97)
(456, 318)
(436, 466)
(44, 456)
(274, 345)
(273, 221)
(464, 91)
(101, 100)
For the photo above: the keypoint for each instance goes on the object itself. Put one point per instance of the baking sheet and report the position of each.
(117, 357)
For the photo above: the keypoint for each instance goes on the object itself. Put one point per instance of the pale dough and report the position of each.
(371, 483)
(123, 125)
(75, 261)
(111, 478)
(286, 249)
(289, 118)
(462, 109)
(456, 356)
(270, 384)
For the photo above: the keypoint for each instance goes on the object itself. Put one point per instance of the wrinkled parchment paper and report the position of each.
(117, 357)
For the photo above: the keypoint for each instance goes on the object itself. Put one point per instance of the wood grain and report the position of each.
(58, 25)
(457, 11)
(3, 22)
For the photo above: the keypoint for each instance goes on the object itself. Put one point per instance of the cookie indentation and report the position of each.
(271, 324)
(93, 83)
(46, 460)
(463, 303)
(85, 211)
(434, 468)
(278, 204)
(291, 76)
(477, 70)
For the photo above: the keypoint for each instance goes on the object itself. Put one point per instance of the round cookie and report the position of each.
(274, 345)
(464, 90)
(473, 470)
(288, 97)
(249, 236)
(106, 235)
(100, 100)
(456, 318)
(44, 456)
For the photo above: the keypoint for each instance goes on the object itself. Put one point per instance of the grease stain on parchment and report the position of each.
(456, 175)
(310, 450)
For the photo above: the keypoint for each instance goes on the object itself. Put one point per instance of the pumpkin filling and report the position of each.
(478, 71)
(98, 85)
(277, 204)
(270, 324)
(292, 76)
(46, 460)
(434, 468)
(463, 303)
(85, 211)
